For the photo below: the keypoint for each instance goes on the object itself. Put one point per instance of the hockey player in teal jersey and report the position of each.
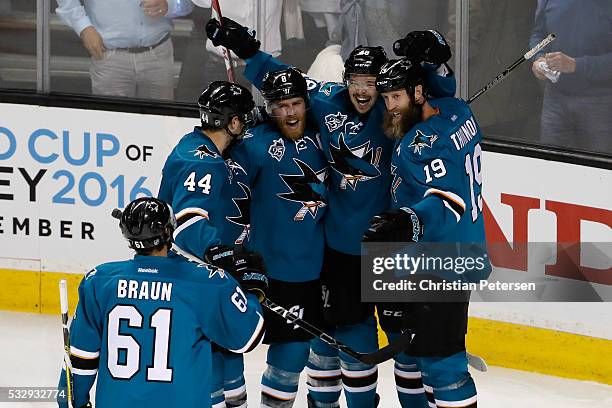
(436, 197)
(201, 184)
(349, 116)
(287, 174)
(144, 326)
(199, 181)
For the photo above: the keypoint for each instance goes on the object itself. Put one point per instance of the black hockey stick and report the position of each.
(377, 357)
(63, 290)
(550, 38)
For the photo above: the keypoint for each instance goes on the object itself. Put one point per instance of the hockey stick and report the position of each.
(227, 56)
(63, 290)
(550, 38)
(377, 357)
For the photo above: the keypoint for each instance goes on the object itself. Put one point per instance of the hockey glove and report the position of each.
(250, 272)
(221, 256)
(257, 116)
(232, 35)
(423, 46)
(401, 225)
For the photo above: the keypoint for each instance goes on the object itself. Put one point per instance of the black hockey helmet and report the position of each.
(284, 84)
(365, 61)
(399, 74)
(223, 100)
(146, 223)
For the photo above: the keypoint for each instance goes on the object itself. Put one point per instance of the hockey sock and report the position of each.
(279, 383)
(234, 384)
(359, 380)
(452, 384)
(217, 398)
(408, 381)
(324, 376)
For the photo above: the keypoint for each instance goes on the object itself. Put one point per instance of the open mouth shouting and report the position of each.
(292, 124)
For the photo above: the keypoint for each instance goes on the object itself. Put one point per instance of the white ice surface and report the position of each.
(31, 355)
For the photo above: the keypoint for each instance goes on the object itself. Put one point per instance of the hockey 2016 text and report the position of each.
(144, 290)
(465, 133)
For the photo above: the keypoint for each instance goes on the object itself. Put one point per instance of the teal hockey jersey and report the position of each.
(203, 190)
(287, 180)
(358, 152)
(437, 171)
(144, 327)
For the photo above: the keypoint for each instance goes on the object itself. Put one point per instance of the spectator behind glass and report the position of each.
(577, 105)
(129, 43)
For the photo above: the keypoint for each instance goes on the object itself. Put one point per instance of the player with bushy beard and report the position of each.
(436, 197)
(349, 116)
(286, 172)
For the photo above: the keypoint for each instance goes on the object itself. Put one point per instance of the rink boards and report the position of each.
(62, 171)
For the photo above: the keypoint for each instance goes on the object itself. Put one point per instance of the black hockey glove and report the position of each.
(257, 116)
(221, 256)
(401, 225)
(250, 272)
(423, 46)
(232, 35)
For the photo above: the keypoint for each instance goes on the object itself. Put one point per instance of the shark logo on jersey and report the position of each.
(213, 270)
(277, 149)
(307, 188)
(397, 180)
(326, 87)
(243, 218)
(335, 121)
(204, 151)
(234, 169)
(354, 164)
(422, 140)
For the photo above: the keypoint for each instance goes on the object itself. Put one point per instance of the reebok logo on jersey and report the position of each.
(277, 149)
(335, 121)
(422, 140)
(148, 270)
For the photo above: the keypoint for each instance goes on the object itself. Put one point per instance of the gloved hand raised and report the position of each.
(423, 46)
(233, 36)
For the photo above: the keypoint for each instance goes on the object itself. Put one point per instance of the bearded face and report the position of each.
(289, 115)
(402, 113)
